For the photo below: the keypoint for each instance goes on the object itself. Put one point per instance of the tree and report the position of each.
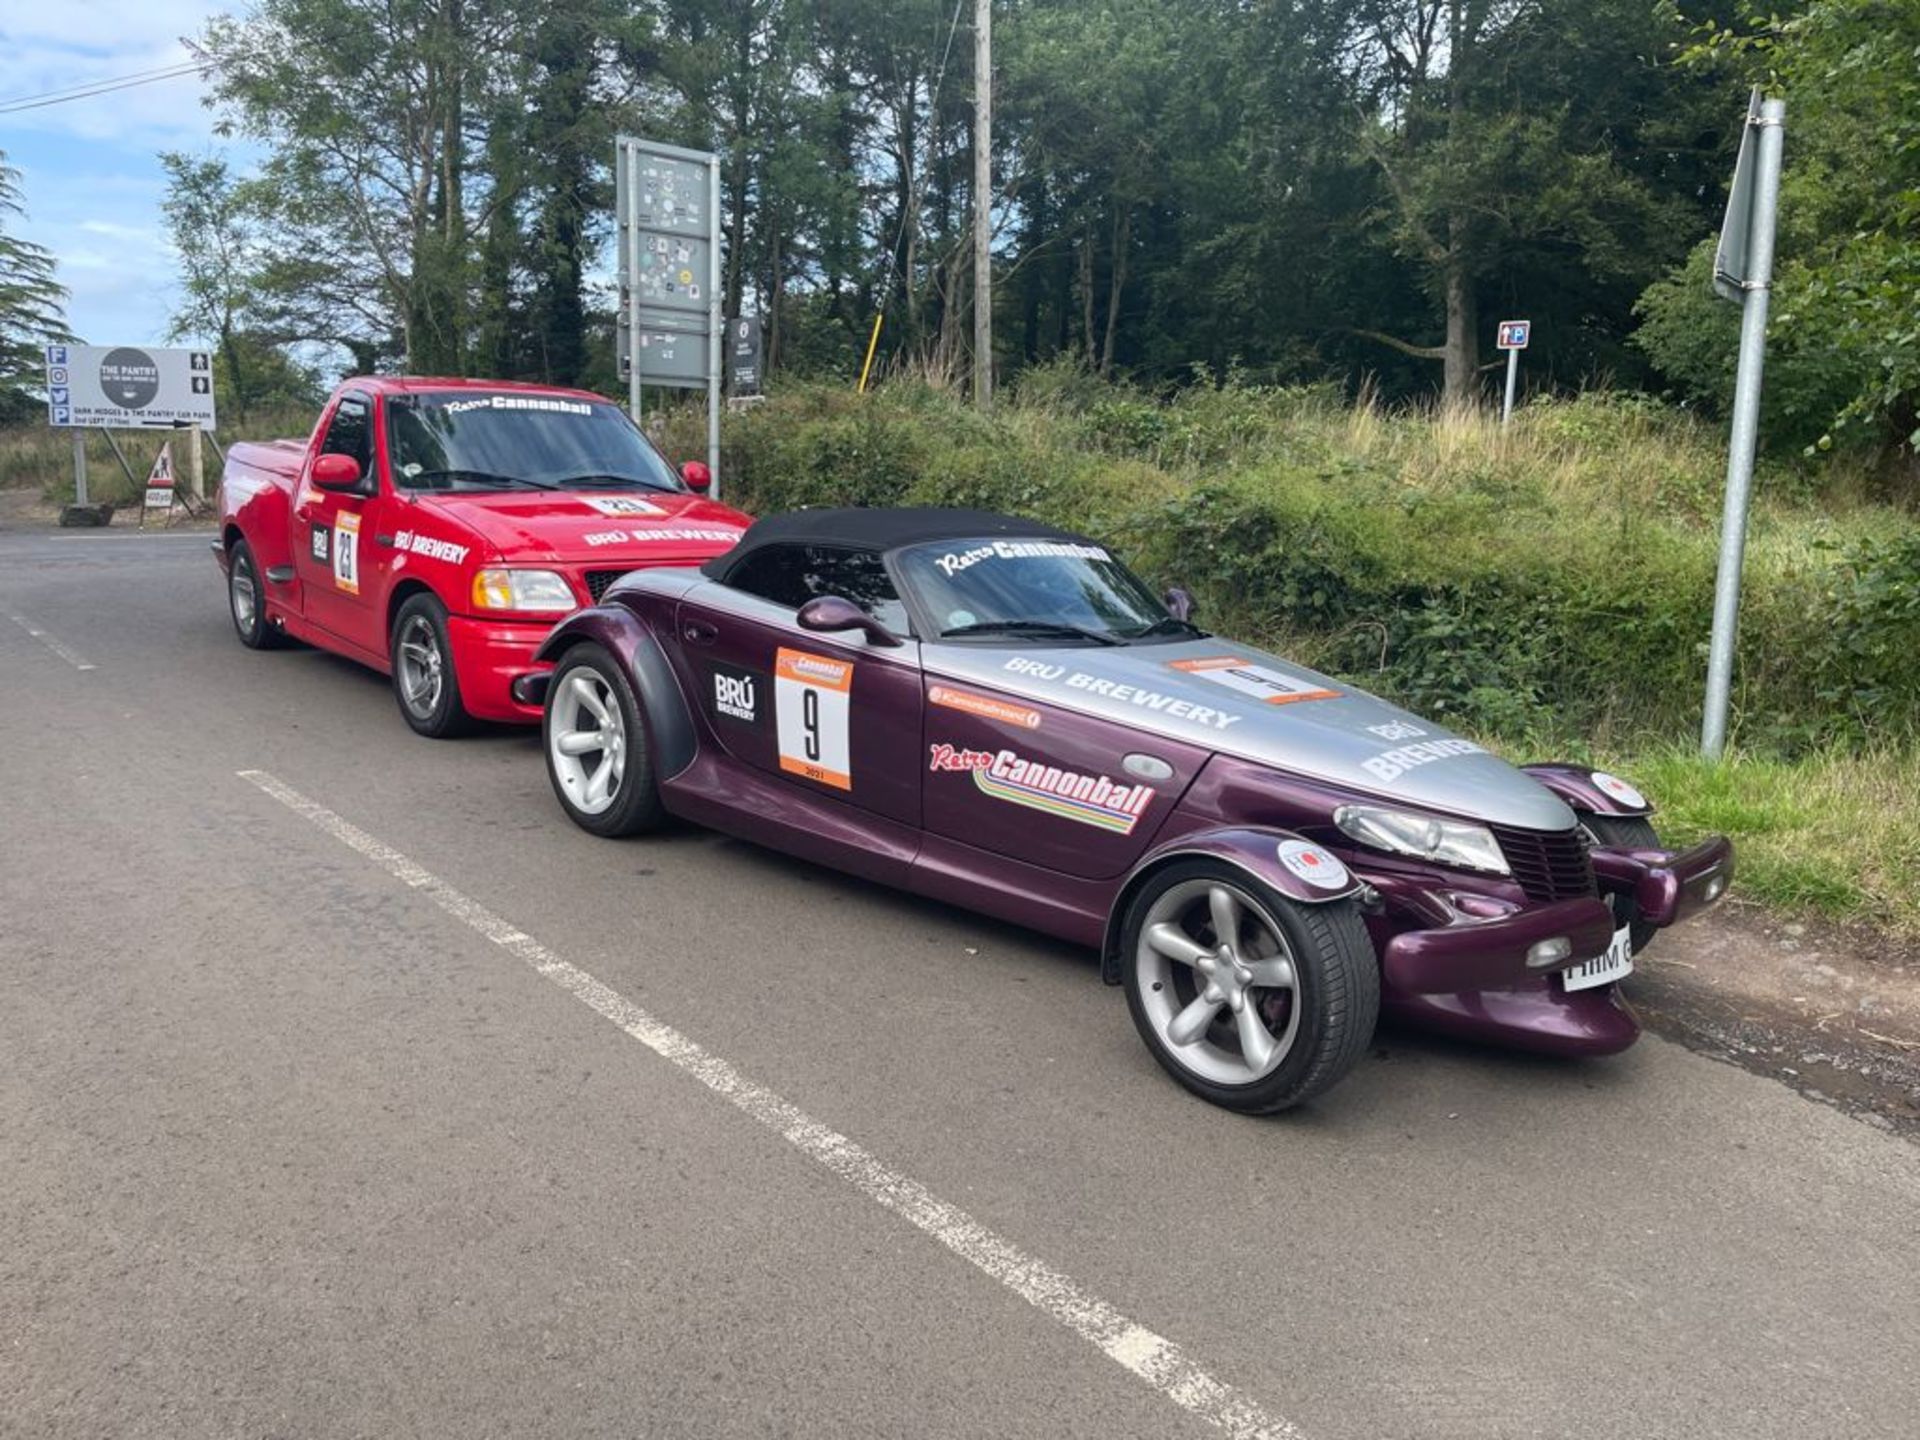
(32, 307)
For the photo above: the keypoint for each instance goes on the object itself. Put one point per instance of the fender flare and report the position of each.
(663, 705)
(1581, 787)
(1255, 851)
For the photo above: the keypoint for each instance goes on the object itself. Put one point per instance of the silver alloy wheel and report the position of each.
(1218, 982)
(244, 594)
(421, 666)
(587, 740)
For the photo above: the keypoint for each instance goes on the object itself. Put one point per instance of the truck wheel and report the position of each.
(247, 600)
(424, 681)
(1248, 999)
(1625, 832)
(597, 755)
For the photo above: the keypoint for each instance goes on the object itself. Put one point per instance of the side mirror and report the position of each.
(1179, 602)
(697, 475)
(337, 473)
(829, 614)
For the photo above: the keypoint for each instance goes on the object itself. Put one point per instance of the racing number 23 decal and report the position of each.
(811, 695)
(346, 552)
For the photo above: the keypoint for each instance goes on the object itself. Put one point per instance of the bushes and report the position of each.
(1554, 578)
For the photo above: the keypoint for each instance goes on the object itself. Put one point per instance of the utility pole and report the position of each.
(982, 203)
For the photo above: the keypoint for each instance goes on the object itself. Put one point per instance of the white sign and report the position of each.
(128, 387)
(160, 479)
(1513, 334)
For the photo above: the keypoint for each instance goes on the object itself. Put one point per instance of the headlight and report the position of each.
(1445, 842)
(522, 590)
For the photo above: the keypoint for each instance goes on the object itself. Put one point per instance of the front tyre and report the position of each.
(247, 600)
(1248, 999)
(597, 754)
(1625, 832)
(424, 681)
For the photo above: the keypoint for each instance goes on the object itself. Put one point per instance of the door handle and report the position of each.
(385, 540)
(699, 632)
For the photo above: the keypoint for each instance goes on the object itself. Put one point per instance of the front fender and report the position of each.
(663, 705)
(1283, 861)
(1593, 791)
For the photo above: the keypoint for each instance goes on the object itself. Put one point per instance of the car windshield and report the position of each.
(464, 439)
(1019, 591)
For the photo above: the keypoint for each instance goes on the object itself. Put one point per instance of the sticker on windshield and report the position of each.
(954, 561)
(346, 552)
(812, 697)
(1262, 682)
(1096, 800)
(985, 706)
(621, 505)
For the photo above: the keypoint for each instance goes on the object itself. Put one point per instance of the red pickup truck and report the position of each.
(436, 529)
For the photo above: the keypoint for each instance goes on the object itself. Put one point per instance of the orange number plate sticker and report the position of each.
(812, 707)
(1261, 682)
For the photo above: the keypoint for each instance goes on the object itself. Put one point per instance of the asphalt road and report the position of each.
(315, 1122)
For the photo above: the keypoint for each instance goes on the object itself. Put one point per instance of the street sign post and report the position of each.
(1512, 338)
(667, 213)
(1742, 272)
(743, 356)
(126, 387)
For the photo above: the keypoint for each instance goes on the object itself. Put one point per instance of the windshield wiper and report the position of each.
(1171, 625)
(576, 481)
(478, 477)
(1028, 627)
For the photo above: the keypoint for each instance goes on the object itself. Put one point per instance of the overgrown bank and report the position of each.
(1548, 587)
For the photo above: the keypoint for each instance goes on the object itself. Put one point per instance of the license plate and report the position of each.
(1616, 964)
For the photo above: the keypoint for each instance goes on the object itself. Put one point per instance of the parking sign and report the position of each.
(1513, 334)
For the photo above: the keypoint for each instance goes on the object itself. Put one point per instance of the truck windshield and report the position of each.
(469, 439)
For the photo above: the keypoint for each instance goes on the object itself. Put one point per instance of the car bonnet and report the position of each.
(1244, 702)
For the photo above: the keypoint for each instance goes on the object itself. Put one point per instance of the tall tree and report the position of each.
(32, 305)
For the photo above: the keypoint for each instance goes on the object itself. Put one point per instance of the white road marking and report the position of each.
(52, 644)
(1152, 1357)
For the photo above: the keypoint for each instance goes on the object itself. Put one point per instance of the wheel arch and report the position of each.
(664, 710)
(1254, 852)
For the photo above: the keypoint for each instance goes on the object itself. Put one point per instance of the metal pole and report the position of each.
(1513, 374)
(716, 331)
(1746, 424)
(194, 481)
(983, 203)
(632, 159)
(79, 466)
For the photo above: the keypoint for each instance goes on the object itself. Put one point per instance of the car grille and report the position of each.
(1548, 864)
(598, 581)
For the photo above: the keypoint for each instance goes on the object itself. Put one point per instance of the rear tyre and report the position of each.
(421, 659)
(1625, 832)
(1250, 1000)
(247, 600)
(596, 746)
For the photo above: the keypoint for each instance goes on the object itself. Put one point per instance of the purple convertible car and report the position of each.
(1000, 715)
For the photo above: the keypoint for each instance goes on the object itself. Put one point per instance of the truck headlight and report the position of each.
(522, 590)
(1445, 842)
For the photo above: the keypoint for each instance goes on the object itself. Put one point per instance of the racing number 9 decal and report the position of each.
(811, 706)
(346, 552)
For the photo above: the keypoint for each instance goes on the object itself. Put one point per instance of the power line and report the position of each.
(103, 87)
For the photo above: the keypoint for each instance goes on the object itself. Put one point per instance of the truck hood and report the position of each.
(1244, 702)
(579, 526)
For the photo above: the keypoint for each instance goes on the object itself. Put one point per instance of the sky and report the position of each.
(91, 178)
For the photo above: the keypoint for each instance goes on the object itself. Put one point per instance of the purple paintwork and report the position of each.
(936, 805)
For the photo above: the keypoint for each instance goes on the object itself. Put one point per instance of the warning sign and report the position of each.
(160, 480)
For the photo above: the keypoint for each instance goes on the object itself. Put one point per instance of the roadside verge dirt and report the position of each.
(1833, 1012)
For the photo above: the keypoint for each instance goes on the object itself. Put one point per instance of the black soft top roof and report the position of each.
(877, 529)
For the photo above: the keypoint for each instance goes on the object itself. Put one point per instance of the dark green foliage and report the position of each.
(32, 310)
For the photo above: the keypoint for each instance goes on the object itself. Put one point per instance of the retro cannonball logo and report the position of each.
(129, 378)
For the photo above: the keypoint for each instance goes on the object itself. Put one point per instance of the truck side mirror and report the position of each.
(825, 614)
(338, 473)
(697, 475)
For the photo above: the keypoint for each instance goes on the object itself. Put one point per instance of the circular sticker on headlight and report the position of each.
(1317, 867)
(1618, 789)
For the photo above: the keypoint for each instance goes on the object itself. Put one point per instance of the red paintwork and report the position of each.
(266, 495)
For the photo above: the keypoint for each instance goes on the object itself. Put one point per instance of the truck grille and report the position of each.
(598, 581)
(1548, 864)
